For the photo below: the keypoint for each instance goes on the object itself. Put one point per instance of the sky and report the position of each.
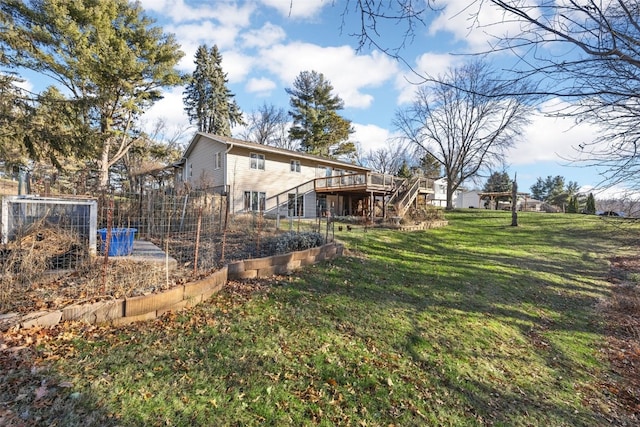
(265, 44)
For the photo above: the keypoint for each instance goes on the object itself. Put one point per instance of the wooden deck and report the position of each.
(357, 183)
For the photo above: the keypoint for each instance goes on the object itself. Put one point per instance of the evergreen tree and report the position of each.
(498, 182)
(591, 205)
(209, 104)
(554, 191)
(430, 166)
(574, 205)
(404, 171)
(316, 122)
(110, 58)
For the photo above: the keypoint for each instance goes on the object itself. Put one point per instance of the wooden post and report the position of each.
(278, 212)
(197, 248)
(514, 202)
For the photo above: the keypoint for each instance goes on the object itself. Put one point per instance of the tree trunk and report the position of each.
(514, 203)
(449, 196)
(103, 167)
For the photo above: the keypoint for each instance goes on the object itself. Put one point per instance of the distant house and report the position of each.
(288, 183)
(439, 196)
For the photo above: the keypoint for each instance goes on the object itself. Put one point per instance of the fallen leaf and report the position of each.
(42, 391)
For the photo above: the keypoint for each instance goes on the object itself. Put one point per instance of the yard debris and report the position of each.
(621, 312)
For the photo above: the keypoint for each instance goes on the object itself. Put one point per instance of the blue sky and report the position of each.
(265, 44)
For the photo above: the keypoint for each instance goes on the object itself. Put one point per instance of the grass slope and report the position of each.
(478, 323)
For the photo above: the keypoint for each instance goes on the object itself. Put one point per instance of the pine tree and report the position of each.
(498, 182)
(430, 166)
(316, 122)
(591, 205)
(404, 171)
(574, 205)
(208, 102)
(109, 57)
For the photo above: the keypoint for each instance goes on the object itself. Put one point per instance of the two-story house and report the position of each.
(263, 178)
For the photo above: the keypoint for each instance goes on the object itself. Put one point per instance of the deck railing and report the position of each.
(365, 179)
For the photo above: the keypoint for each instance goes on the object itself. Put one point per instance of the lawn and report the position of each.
(477, 323)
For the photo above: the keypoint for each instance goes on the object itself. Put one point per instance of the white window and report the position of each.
(255, 201)
(257, 161)
(217, 160)
(295, 166)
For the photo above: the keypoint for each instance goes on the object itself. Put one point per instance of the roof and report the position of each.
(500, 193)
(233, 142)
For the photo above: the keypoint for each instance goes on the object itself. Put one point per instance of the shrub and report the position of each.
(425, 214)
(291, 241)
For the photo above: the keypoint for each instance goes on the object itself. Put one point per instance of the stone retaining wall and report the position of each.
(146, 307)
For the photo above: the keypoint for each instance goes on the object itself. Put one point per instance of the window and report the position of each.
(217, 160)
(257, 161)
(296, 205)
(255, 201)
(295, 166)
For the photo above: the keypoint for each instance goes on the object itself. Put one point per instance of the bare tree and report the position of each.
(586, 53)
(464, 122)
(269, 125)
(388, 159)
(379, 18)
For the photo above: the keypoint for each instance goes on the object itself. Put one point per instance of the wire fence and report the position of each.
(141, 242)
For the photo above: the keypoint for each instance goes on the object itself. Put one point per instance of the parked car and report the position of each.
(610, 213)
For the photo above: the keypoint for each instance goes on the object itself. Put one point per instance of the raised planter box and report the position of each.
(148, 307)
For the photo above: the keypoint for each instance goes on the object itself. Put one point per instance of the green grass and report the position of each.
(478, 323)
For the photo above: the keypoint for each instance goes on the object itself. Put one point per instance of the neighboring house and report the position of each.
(439, 197)
(288, 183)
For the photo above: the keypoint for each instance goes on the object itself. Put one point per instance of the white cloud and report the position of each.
(475, 23)
(170, 109)
(268, 35)
(229, 13)
(297, 8)
(550, 138)
(427, 65)
(349, 73)
(237, 65)
(190, 36)
(371, 137)
(24, 84)
(261, 86)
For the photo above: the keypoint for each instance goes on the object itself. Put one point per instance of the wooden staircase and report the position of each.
(404, 196)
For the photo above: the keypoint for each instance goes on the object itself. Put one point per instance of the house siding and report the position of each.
(276, 180)
(200, 165)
